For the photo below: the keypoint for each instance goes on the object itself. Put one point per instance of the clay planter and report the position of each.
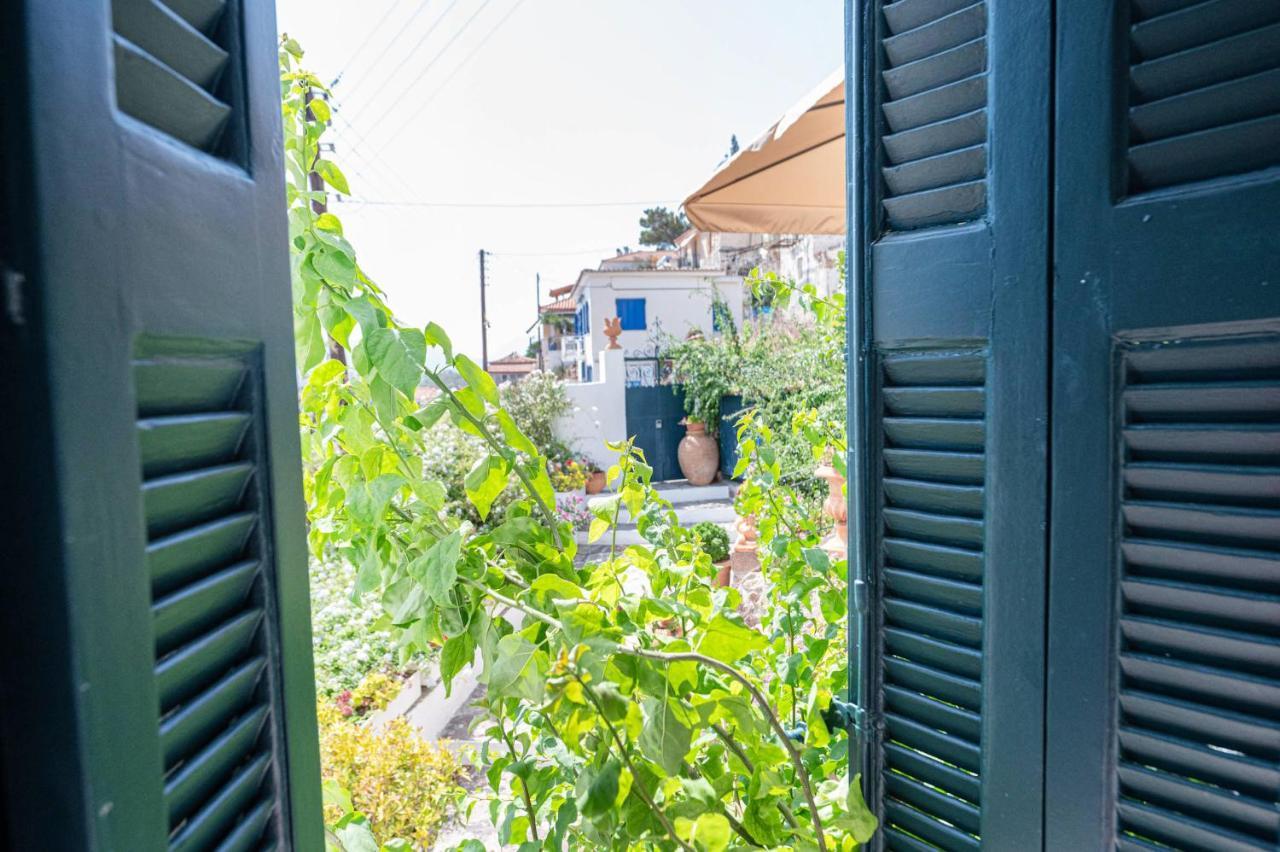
(723, 572)
(838, 541)
(698, 454)
(595, 482)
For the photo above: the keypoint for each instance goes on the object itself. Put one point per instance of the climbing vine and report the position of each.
(629, 705)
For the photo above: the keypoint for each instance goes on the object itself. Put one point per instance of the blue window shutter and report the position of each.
(631, 312)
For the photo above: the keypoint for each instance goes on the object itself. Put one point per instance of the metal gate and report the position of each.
(655, 408)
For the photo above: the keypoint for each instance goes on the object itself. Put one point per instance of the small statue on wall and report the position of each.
(612, 328)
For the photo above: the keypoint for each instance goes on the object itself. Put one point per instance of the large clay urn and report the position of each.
(698, 454)
(837, 509)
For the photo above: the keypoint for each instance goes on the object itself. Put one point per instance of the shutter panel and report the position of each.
(947, 264)
(932, 596)
(172, 561)
(1164, 658)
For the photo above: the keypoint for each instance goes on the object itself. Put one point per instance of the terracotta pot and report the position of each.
(595, 482)
(723, 572)
(698, 454)
(837, 509)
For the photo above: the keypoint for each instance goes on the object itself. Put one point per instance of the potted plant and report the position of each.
(715, 543)
(595, 478)
(568, 477)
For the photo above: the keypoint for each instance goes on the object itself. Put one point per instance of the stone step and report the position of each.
(679, 491)
(628, 534)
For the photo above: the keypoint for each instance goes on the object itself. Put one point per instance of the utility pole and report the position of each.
(538, 291)
(484, 320)
(320, 206)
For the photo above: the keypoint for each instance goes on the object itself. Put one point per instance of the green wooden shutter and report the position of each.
(948, 259)
(169, 661)
(1164, 666)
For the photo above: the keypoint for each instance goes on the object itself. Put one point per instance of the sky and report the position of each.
(538, 130)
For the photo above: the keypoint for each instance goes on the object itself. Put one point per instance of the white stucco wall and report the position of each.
(676, 300)
(599, 411)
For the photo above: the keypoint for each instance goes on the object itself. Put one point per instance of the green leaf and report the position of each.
(437, 569)
(395, 358)
(457, 653)
(427, 416)
(516, 670)
(665, 740)
(437, 336)
(335, 265)
(333, 793)
(309, 339)
(367, 501)
(599, 789)
(817, 559)
(477, 379)
(599, 526)
(514, 436)
(711, 833)
(356, 836)
(485, 481)
(332, 175)
(320, 110)
(329, 222)
(729, 642)
(864, 822)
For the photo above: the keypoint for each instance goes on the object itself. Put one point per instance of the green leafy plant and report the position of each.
(536, 402)
(635, 706)
(713, 538)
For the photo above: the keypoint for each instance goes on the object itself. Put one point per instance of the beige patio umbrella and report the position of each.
(790, 180)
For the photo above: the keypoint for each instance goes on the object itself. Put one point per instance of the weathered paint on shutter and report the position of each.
(948, 259)
(1164, 669)
(170, 662)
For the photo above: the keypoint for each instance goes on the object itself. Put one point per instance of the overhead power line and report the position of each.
(365, 42)
(476, 49)
(422, 73)
(386, 48)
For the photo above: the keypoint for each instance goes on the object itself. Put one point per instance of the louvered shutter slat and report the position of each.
(936, 653)
(928, 827)
(956, 750)
(934, 772)
(186, 555)
(186, 499)
(193, 609)
(196, 722)
(954, 810)
(169, 444)
(944, 717)
(155, 94)
(201, 14)
(217, 821)
(1204, 96)
(249, 831)
(935, 496)
(154, 28)
(963, 692)
(1199, 758)
(952, 561)
(186, 670)
(934, 99)
(195, 780)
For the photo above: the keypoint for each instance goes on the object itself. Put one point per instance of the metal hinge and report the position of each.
(858, 594)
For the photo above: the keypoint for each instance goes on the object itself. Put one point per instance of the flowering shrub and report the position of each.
(573, 508)
(536, 402)
(375, 692)
(347, 639)
(403, 785)
(568, 475)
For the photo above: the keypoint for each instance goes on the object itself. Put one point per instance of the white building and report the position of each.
(804, 258)
(650, 303)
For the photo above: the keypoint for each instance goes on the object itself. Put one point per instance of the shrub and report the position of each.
(714, 539)
(535, 403)
(406, 786)
(345, 641)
